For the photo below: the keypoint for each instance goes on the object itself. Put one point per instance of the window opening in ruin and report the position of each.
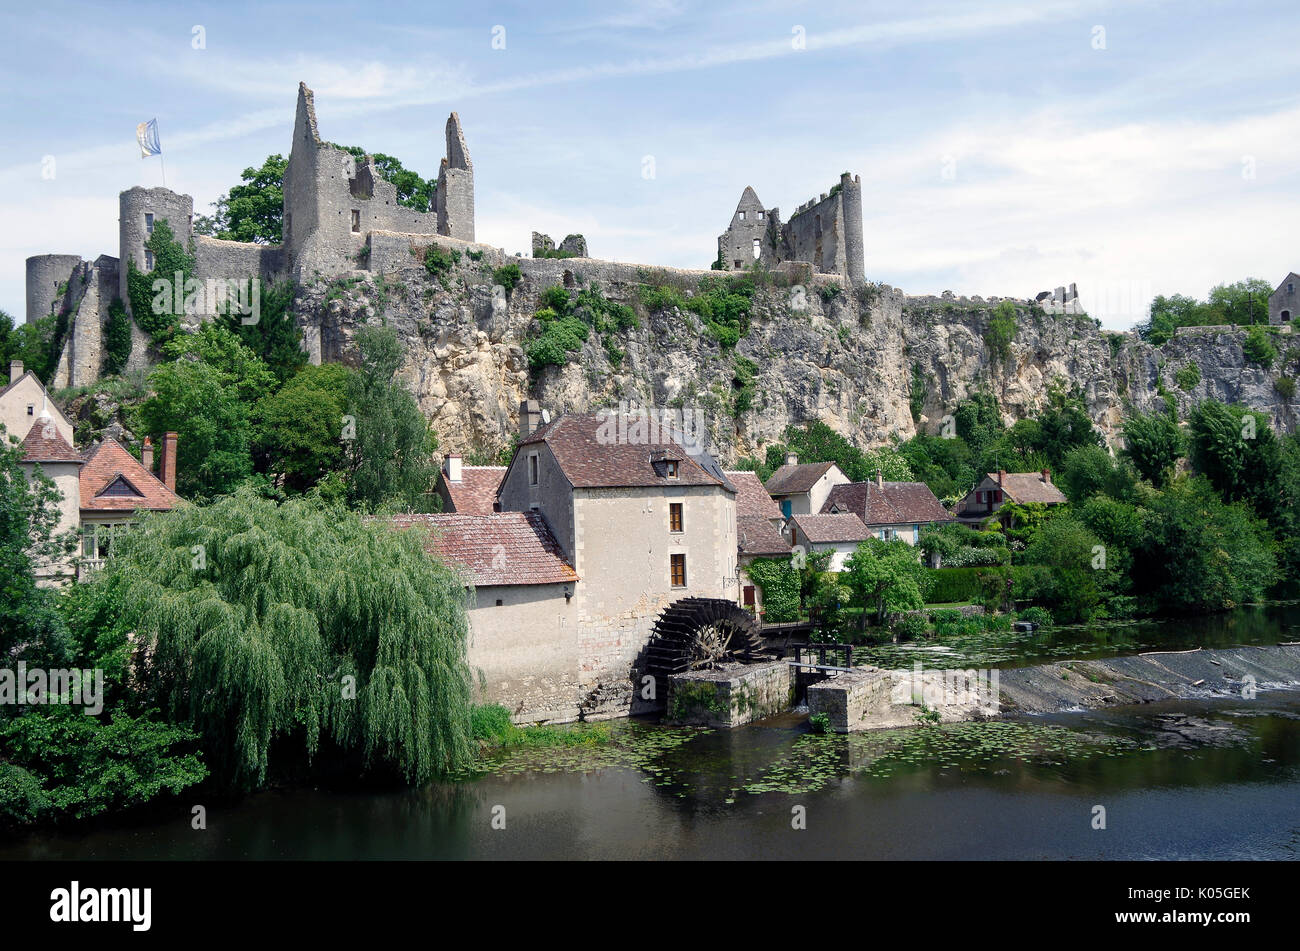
(738, 264)
(742, 216)
(148, 260)
(148, 221)
(756, 248)
(356, 220)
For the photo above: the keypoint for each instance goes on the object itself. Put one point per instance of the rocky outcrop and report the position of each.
(859, 359)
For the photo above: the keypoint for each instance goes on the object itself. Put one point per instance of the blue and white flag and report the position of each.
(146, 133)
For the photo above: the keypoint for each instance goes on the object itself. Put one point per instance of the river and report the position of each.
(1214, 778)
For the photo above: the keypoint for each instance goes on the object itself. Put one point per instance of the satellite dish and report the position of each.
(546, 416)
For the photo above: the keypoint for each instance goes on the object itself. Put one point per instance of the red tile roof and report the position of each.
(592, 454)
(758, 536)
(751, 498)
(1025, 487)
(141, 489)
(476, 491)
(892, 503)
(832, 528)
(45, 444)
(791, 480)
(506, 548)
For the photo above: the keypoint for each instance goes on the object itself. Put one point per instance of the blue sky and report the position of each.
(1004, 148)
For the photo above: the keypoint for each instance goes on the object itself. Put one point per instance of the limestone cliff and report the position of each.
(853, 359)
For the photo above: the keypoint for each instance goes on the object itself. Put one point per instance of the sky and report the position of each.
(1134, 148)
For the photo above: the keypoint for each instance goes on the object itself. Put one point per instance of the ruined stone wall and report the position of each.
(46, 274)
(817, 232)
(749, 224)
(526, 650)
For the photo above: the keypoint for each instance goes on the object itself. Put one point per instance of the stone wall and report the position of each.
(526, 650)
(135, 205)
(730, 695)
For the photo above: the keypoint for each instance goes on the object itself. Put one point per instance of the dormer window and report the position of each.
(670, 468)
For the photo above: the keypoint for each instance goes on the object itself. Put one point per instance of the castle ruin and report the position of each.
(825, 233)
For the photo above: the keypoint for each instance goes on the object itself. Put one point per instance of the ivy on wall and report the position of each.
(117, 338)
(159, 314)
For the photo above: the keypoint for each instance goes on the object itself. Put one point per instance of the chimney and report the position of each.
(1047, 476)
(792, 458)
(15, 370)
(451, 466)
(1002, 475)
(530, 418)
(880, 479)
(167, 471)
(146, 454)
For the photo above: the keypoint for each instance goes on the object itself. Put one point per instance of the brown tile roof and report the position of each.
(758, 536)
(500, 549)
(751, 498)
(832, 528)
(130, 485)
(791, 480)
(1025, 487)
(893, 503)
(589, 458)
(45, 444)
(476, 491)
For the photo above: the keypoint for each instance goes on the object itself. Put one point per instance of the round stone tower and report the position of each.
(141, 209)
(46, 273)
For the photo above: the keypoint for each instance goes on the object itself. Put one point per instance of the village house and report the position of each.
(801, 489)
(840, 534)
(888, 509)
(758, 532)
(101, 491)
(1284, 302)
(998, 488)
(611, 523)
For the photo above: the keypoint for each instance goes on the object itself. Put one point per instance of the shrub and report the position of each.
(1187, 377)
(508, 276)
(1285, 386)
(1035, 615)
(1002, 330)
(439, 261)
(911, 627)
(1258, 348)
(820, 723)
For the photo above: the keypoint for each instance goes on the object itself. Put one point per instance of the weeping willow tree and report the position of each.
(262, 623)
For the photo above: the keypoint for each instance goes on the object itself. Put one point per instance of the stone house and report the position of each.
(997, 488)
(631, 518)
(888, 509)
(101, 490)
(802, 488)
(840, 534)
(523, 629)
(1284, 302)
(758, 531)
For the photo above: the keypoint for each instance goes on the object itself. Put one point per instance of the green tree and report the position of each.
(1236, 449)
(274, 338)
(1073, 556)
(1064, 424)
(252, 211)
(204, 393)
(1154, 444)
(30, 626)
(299, 428)
(886, 576)
(389, 455)
(1089, 470)
(1201, 554)
(1258, 347)
(273, 629)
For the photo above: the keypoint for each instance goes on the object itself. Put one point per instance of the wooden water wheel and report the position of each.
(700, 633)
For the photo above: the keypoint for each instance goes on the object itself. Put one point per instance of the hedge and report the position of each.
(960, 584)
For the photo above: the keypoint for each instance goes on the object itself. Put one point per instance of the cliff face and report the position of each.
(856, 361)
